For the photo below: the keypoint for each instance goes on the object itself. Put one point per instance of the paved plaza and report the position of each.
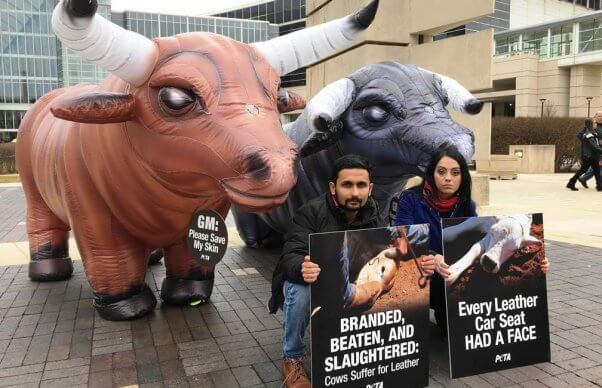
(50, 335)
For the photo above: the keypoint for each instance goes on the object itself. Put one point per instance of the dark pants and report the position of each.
(589, 174)
(438, 301)
(585, 165)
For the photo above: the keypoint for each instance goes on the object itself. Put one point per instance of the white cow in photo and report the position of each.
(506, 235)
(381, 268)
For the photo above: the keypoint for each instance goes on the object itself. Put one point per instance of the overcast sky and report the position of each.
(178, 7)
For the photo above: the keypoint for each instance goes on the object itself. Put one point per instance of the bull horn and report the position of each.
(302, 48)
(460, 99)
(323, 112)
(124, 53)
(329, 104)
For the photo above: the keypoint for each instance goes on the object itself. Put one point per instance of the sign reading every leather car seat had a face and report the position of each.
(370, 306)
(497, 309)
(207, 237)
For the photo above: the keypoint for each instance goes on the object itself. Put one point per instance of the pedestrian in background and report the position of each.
(589, 174)
(590, 155)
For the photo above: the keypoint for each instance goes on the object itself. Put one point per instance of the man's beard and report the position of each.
(347, 207)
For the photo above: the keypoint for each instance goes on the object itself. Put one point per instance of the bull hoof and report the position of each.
(186, 291)
(132, 307)
(155, 257)
(50, 270)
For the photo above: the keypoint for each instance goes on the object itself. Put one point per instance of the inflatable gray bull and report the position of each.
(392, 113)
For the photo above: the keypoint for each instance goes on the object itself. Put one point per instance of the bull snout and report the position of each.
(460, 138)
(265, 179)
(489, 265)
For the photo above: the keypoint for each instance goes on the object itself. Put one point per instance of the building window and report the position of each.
(590, 35)
(10, 120)
(506, 45)
(536, 42)
(561, 42)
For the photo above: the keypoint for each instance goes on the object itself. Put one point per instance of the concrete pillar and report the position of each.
(584, 82)
(480, 189)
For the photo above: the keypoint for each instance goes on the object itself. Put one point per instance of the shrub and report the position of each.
(7, 158)
(559, 131)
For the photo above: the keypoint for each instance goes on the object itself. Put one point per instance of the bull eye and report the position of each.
(175, 100)
(375, 114)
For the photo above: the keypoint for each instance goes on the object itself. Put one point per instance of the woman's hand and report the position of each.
(545, 265)
(441, 267)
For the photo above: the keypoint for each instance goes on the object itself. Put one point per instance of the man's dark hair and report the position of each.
(589, 124)
(351, 161)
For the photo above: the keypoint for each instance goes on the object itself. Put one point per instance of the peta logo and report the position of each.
(375, 385)
(502, 357)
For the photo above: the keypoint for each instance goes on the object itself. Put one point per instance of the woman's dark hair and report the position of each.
(589, 124)
(350, 161)
(464, 192)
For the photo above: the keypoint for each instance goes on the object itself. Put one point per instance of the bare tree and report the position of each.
(549, 109)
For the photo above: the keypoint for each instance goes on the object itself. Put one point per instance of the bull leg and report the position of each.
(115, 265)
(48, 243)
(187, 280)
(47, 234)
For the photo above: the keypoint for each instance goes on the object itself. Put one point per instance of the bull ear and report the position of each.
(328, 132)
(323, 115)
(96, 108)
(289, 101)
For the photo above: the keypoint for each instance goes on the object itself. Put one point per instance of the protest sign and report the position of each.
(496, 295)
(370, 304)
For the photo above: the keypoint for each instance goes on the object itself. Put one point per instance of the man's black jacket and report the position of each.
(319, 215)
(589, 145)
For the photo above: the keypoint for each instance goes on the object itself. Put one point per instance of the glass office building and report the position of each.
(288, 15)
(554, 40)
(154, 25)
(28, 60)
(32, 60)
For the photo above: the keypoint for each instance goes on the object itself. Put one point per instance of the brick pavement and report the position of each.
(51, 336)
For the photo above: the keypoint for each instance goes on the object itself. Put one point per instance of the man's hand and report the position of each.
(309, 270)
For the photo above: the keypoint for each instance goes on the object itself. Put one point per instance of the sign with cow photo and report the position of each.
(497, 311)
(370, 308)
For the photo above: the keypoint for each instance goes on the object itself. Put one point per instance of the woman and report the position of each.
(445, 193)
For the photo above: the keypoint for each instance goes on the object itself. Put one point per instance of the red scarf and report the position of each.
(439, 204)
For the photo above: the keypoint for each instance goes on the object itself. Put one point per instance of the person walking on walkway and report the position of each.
(590, 156)
(589, 174)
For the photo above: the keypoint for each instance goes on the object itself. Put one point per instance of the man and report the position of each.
(346, 206)
(590, 156)
(590, 172)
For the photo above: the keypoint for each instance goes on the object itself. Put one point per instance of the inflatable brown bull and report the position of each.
(182, 123)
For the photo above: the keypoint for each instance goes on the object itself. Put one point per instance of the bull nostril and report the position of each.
(488, 264)
(257, 167)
